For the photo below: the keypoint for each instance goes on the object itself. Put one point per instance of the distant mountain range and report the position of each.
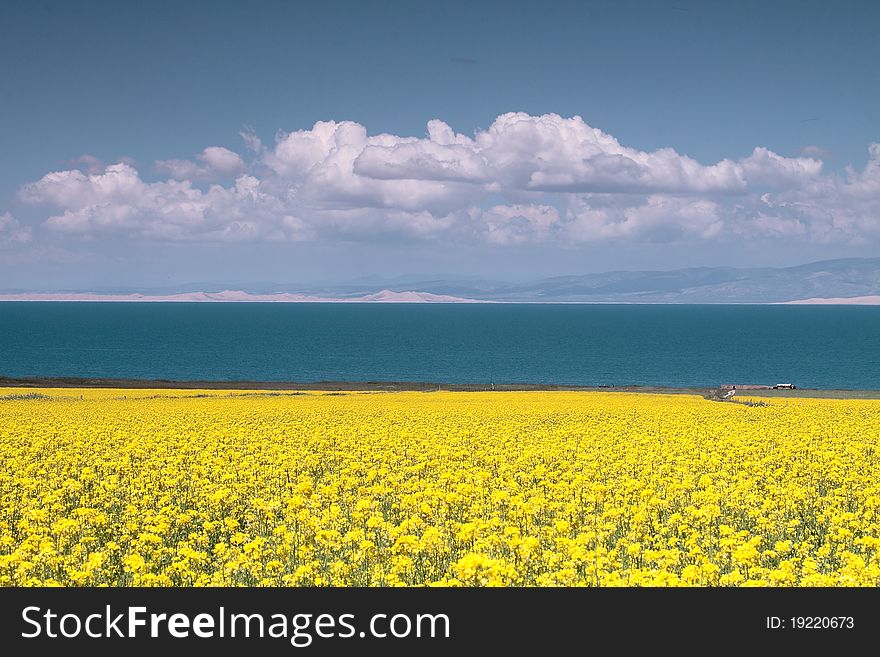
(854, 280)
(237, 296)
(838, 279)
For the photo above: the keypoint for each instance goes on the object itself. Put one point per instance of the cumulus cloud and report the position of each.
(543, 153)
(443, 156)
(222, 160)
(551, 153)
(215, 162)
(12, 232)
(831, 208)
(180, 169)
(764, 168)
(525, 178)
(319, 168)
(119, 201)
(518, 224)
(659, 218)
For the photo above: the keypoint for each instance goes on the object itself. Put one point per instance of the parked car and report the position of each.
(785, 386)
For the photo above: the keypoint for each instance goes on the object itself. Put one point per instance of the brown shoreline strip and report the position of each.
(417, 386)
(401, 386)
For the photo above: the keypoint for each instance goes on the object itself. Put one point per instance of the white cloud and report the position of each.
(181, 169)
(524, 179)
(657, 218)
(222, 160)
(551, 153)
(444, 156)
(119, 201)
(518, 224)
(251, 141)
(604, 217)
(338, 163)
(319, 167)
(832, 208)
(216, 163)
(12, 232)
(764, 168)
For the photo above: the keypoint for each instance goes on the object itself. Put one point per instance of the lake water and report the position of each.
(656, 345)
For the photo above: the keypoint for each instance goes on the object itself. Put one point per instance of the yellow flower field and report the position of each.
(158, 487)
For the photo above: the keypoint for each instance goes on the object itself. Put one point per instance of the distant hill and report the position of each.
(830, 279)
(849, 281)
(236, 296)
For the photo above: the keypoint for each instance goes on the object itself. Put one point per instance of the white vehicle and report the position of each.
(785, 386)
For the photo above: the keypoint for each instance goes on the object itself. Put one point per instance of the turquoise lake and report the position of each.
(655, 345)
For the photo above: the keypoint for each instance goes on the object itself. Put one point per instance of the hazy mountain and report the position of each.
(856, 277)
(854, 280)
(237, 296)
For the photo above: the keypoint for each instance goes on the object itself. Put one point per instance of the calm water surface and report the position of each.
(661, 345)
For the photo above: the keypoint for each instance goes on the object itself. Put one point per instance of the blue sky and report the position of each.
(117, 120)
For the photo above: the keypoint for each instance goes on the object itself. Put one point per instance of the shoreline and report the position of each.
(408, 386)
(354, 386)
